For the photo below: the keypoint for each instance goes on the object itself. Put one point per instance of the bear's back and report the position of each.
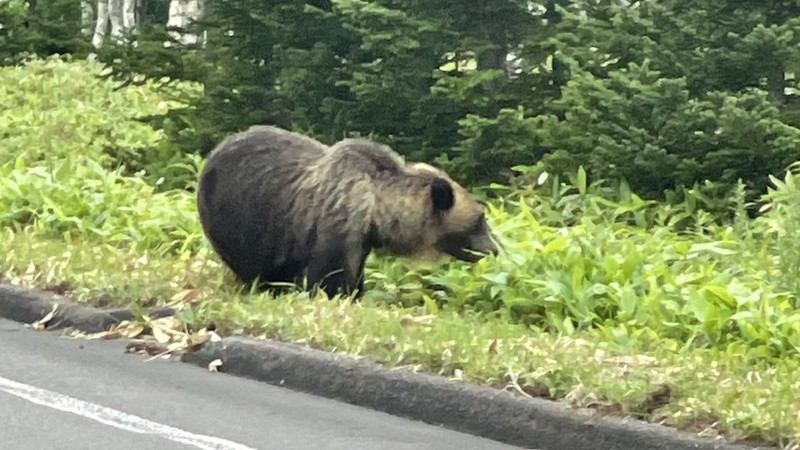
(265, 144)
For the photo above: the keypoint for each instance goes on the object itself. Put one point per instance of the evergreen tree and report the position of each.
(40, 28)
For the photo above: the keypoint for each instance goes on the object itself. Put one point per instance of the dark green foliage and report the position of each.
(647, 129)
(665, 94)
(40, 27)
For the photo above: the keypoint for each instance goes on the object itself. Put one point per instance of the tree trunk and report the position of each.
(116, 17)
(87, 17)
(101, 24)
(120, 15)
(181, 14)
(776, 85)
(128, 14)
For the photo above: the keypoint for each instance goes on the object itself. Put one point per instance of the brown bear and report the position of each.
(279, 207)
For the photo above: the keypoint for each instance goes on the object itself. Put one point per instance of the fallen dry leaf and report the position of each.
(128, 329)
(29, 276)
(41, 324)
(199, 338)
(161, 334)
(76, 334)
(410, 320)
(140, 262)
(190, 295)
(168, 322)
(142, 346)
(186, 295)
(213, 365)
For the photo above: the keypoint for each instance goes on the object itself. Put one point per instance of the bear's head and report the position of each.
(462, 230)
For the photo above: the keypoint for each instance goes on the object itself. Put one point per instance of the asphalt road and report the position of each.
(63, 393)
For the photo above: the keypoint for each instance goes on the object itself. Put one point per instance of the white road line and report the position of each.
(115, 418)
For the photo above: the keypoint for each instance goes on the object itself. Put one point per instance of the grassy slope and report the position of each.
(584, 307)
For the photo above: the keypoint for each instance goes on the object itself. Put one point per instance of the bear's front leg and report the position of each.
(338, 268)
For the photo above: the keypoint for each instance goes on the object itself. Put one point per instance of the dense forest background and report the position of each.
(672, 96)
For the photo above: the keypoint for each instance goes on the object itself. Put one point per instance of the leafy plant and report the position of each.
(601, 297)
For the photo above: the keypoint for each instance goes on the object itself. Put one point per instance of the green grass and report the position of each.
(600, 300)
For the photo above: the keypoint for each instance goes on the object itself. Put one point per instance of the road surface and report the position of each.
(70, 394)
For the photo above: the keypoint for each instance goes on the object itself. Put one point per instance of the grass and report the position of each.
(712, 390)
(601, 300)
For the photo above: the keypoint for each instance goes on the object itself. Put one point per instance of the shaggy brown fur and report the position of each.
(279, 206)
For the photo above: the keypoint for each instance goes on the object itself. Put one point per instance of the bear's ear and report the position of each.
(442, 195)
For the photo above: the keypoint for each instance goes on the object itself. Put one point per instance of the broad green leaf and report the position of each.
(581, 181)
(628, 302)
(556, 245)
(719, 293)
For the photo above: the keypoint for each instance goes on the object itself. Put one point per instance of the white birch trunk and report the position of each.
(116, 17)
(119, 14)
(87, 17)
(128, 14)
(181, 14)
(101, 23)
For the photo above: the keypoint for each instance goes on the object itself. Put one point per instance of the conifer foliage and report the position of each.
(665, 94)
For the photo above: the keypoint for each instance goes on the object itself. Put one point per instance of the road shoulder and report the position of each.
(491, 413)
